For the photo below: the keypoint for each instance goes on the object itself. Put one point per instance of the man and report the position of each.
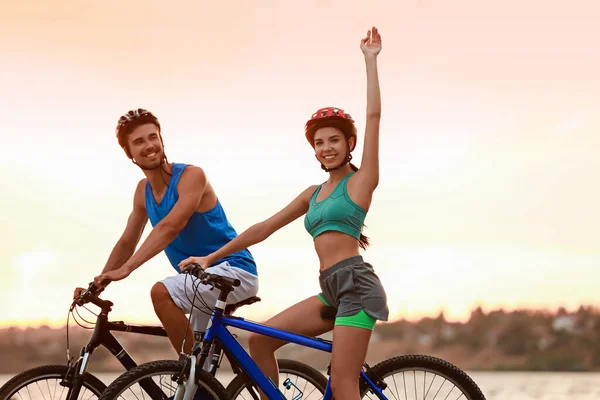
(187, 220)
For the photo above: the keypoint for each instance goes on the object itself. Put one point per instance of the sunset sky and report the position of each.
(490, 138)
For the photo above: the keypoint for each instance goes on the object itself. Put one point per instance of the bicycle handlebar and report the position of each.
(90, 295)
(210, 279)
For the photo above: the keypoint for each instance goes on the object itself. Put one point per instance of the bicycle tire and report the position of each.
(45, 372)
(306, 372)
(417, 362)
(134, 375)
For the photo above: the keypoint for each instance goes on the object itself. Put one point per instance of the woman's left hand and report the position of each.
(371, 45)
(202, 261)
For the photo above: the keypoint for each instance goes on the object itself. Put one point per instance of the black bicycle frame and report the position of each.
(102, 336)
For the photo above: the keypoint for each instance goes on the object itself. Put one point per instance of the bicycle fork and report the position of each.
(186, 390)
(75, 372)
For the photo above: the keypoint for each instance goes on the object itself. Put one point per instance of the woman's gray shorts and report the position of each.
(351, 285)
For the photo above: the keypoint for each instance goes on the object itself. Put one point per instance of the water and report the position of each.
(538, 385)
(498, 385)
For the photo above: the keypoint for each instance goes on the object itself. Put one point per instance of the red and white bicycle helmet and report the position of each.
(329, 114)
(335, 117)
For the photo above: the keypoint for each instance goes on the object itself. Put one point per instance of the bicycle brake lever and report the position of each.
(80, 300)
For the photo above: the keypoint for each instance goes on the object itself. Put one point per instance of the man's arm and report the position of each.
(191, 188)
(126, 244)
(128, 241)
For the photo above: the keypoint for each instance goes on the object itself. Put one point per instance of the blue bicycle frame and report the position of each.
(218, 329)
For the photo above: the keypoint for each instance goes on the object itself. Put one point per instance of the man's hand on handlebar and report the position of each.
(77, 292)
(92, 288)
(102, 280)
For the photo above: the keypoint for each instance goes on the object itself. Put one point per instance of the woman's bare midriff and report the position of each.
(333, 247)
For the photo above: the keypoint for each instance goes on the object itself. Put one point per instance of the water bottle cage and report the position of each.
(288, 385)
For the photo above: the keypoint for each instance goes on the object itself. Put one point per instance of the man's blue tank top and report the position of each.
(204, 233)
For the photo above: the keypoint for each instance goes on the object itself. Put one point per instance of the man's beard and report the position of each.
(151, 165)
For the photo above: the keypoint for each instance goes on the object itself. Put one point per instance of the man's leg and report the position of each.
(182, 294)
(172, 299)
(173, 318)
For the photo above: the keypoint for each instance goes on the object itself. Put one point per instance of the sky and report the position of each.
(489, 140)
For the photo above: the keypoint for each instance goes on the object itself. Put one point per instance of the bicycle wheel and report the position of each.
(44, 383)
(130, 384)
(304, 380)
(422, 377)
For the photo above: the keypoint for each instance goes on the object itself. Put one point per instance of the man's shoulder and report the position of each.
(142, 182)
(140, 193)
(140, 188)
(193, 172)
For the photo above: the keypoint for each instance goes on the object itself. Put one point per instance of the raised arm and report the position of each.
(369, 167)
(257, 232)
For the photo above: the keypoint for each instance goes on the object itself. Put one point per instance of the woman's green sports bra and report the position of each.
(337, 212)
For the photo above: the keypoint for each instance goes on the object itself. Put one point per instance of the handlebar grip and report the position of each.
(216, 278)
(207, 277)
(193, 269)
(95, 289)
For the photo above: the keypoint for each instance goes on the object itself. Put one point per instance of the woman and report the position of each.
(335, 212)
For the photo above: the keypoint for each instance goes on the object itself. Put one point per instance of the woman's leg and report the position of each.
(303, 318)
(350, 345)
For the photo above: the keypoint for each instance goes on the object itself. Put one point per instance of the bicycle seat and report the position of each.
(230, 308)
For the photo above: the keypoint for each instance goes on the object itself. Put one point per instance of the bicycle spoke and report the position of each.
(40, 389)
(48, 385)
(91, 396)
(168, 385)
(138, 392)
(54, 392)
(29, 392)
(445, 398)
(425, 386)
(131, 390)
(440, 388)
(430, 385)
(62, 391)
(48, 388)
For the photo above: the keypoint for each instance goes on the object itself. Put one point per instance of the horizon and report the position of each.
(414, 319)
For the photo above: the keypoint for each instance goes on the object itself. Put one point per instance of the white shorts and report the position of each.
(182, 289)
